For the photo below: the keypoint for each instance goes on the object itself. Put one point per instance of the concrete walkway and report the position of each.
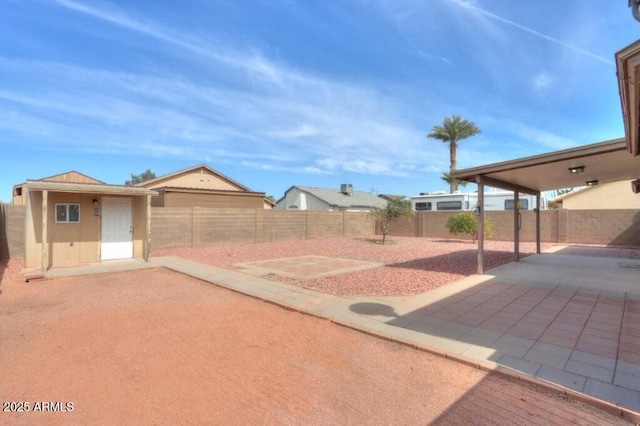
(546, 319)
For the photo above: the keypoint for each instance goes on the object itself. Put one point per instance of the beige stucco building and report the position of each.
(610, 195)
(73, 219)
(202, 186)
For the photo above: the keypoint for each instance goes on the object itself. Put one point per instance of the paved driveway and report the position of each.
(157, 347)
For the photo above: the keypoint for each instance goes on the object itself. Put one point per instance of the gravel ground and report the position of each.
(412, 265)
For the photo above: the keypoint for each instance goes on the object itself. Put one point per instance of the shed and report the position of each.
(69, 223)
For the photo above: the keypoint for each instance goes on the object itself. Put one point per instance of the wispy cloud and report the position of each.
(336, 127)
(472, 6)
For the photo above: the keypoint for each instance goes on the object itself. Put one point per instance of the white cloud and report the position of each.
(542, 81)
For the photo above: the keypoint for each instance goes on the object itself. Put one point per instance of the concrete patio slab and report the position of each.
(305, 267)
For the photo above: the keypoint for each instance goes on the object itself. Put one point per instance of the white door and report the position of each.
(117, 228)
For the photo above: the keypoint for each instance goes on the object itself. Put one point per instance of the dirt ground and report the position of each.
(156, 347)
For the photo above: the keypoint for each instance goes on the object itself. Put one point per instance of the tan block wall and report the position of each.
(215, 226)
(619, 227)
(281, 225)
(358, 225)
(324, 224)
(192, 227)
(171, 227)
(187, 227)
(11, 231)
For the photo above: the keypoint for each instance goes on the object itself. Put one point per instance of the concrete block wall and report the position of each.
(358, 224)
(215, 226)
(171, 227)
(324, 224)
(12, 231)
(198, 226)
(194, 226)
(281, 225)
(615, 227)
(618, 227)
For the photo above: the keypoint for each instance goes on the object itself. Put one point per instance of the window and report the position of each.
(18, 191)
(449, 205)
(423, 206)
(524, 204)
(67, 212)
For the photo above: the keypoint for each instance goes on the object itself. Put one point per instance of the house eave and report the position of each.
(88, 188)
(628, 72)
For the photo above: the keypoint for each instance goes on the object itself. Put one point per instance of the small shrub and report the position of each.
(392, 211)
(467, 223)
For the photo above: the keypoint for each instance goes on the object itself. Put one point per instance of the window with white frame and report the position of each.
(67, 212)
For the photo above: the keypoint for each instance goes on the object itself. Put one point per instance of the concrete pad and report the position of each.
(616, 394)
(305, 267)
(563, 378)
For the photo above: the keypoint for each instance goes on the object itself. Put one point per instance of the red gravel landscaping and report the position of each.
(411, 265)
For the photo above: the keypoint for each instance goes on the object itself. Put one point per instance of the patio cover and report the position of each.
(602, 162)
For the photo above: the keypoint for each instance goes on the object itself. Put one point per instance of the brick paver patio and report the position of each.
(583, 338)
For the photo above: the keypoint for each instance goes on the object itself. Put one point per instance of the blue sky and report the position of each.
(318, 93)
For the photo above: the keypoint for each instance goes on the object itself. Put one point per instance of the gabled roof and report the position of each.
(335, 198)
(192, 169)
(62, 177)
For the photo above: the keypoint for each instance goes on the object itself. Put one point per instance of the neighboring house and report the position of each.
(611, 195)
(72, 219)
(202, 186)
(324, 199)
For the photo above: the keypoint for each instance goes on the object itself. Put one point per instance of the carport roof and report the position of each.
(84, 188)
(608, 161)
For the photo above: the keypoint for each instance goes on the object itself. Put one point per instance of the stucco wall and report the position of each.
(607, 196)
(186, 199)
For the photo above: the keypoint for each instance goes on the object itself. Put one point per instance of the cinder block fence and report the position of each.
(196, 226)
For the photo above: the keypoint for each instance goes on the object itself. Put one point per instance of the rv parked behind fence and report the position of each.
(493, 200)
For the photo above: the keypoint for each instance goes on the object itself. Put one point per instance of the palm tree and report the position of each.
(450, 180)
(453, 129)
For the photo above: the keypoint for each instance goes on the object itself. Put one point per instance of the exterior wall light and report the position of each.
(576, 170)
(95, 202)
(592, 182)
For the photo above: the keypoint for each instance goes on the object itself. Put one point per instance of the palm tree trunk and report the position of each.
(453, 147)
